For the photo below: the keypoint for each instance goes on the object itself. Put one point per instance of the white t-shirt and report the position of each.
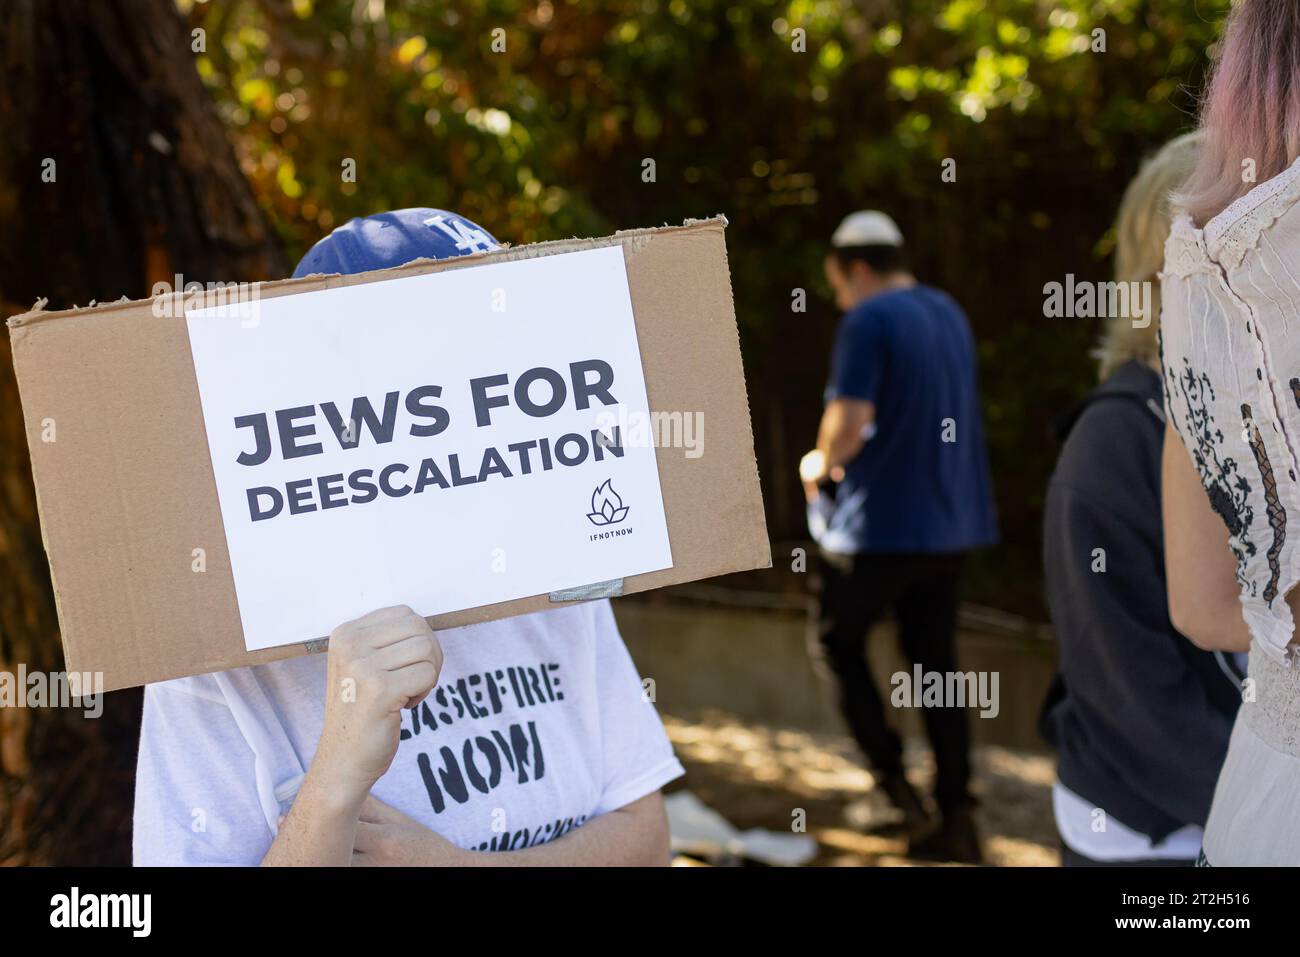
(538, 724)
(1075, 819)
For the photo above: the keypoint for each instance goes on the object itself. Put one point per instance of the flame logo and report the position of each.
(606, 506)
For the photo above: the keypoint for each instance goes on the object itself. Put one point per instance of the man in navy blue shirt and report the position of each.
(898, 492)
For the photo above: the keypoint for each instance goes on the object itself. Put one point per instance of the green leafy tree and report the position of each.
(537, 119)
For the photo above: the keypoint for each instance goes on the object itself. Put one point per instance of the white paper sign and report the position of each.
(442, 441)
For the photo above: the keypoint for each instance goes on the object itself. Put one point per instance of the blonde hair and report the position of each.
(1141, 228)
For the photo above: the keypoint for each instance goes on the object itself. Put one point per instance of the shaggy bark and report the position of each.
(115, 173)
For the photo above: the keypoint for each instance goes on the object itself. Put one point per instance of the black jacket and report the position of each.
(1139, 715)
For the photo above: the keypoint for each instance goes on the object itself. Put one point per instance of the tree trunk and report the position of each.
(115, 174)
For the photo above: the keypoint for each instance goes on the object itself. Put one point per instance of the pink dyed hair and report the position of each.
(1252, 108)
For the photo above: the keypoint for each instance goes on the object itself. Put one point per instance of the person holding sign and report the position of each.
(530, 735)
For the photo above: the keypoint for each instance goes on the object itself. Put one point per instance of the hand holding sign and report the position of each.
(379, 664)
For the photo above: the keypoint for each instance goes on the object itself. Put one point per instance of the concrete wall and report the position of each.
(753, 662)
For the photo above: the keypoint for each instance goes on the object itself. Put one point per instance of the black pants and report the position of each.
(857, 590)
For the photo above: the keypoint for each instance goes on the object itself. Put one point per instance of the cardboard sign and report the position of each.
(154, 543)
(461, 447)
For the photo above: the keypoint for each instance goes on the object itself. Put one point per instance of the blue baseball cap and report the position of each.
(394, 238)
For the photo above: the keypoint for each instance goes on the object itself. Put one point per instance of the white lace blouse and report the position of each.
(1230, 332)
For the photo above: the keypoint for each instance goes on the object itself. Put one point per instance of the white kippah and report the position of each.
(867, 227)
